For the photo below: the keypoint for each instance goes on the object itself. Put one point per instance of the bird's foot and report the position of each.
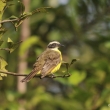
(66, 75)
(52, 76)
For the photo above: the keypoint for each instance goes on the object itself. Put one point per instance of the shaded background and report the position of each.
(83, 26)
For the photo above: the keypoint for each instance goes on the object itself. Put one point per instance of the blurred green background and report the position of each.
(83, 26)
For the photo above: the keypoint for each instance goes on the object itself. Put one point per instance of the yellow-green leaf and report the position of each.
(1, 78)
(22, 7)
(9, 40)
(14, 46)
(2, 5)
(28, 43)
(42, 9)
(77, 77)
(3, 64)
(1, 42)
(13, 17)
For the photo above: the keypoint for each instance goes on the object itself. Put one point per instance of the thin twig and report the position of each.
(33, 12)
(36, 76)
(9, 20)
(11, 73)
(7, 49)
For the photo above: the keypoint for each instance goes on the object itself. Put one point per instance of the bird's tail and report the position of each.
(28, 77)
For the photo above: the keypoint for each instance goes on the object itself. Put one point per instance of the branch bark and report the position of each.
(8, 20)
(36, 76)
(33, 12)
(6, 49)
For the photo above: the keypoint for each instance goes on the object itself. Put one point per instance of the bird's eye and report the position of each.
(52, 45)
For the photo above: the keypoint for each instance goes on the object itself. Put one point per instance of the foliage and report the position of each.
(83, 27)
(16, 21)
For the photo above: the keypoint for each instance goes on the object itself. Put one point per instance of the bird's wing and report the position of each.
(53, 59)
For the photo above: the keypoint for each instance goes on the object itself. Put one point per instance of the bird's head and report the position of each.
(54, 44)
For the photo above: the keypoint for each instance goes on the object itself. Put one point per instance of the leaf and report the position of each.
(14, 46)
(28, 43)
(73, 60)
(1, 78)
(13, 17)
(69, 64)
(2, 31)
(17, 24)
(107, 44)
(2, 5)
(9, 40)
(43, 9)
(21, 19)
(77, 77)
(3, 64)
(10, 43)
(22, 7)
(25, 15)
(1, 42)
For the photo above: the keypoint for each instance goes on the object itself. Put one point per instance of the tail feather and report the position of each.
(28, 77)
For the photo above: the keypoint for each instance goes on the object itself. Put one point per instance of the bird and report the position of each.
(47, 63)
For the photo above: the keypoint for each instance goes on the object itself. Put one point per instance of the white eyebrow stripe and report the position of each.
(54, 42)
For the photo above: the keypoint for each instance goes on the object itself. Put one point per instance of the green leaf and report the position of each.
(1, 78)
(3, 64)
(2, 6)
(43, 9)
(77, 77)
(14, 46)
(22, 7)
(28, 43)
(73, 60)
(9, 40)
(107, 44)
(10, 43)
(13, 17)
(2, 31)
(69, 64)
(1, 42)
(21, 19)
(25, 15)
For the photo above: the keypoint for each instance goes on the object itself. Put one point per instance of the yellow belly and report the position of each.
(56, 68)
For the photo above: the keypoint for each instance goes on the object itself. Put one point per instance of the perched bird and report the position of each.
(47, 63)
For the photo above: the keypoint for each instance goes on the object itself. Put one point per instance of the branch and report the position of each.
(36, 76)
(8, 20)
(11, 73)
(7, 49)
(43, 9)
